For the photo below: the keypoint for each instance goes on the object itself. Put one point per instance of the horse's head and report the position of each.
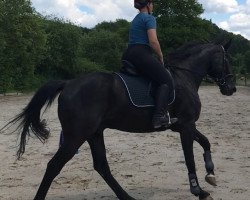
(220, 70)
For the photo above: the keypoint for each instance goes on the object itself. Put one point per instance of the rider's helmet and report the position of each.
(138, 4)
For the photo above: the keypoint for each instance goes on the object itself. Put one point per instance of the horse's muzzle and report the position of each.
(228, 90)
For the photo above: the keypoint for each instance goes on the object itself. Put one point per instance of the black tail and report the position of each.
(30, 117)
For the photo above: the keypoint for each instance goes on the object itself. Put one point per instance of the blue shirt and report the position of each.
(139, 27)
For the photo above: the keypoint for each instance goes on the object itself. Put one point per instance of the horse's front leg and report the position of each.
(187, 139)
(204, 142)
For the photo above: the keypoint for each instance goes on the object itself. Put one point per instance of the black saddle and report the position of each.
(141, 90)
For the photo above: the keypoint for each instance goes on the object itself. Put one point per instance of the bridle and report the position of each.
(222, 81)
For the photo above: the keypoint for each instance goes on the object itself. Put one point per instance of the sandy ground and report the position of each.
(148, 166)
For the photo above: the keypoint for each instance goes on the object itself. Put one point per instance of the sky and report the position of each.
(230, 15)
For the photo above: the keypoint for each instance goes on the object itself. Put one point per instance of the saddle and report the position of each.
(140, 89)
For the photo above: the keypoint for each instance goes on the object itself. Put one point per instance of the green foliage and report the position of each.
(247, 61)
(62, 49)
(237, 63)
(103, 47)
(179, 22)
(238, 51)
(35, 48)
(182, 9)
(23, 41)
(86, 66)
(120, 26)
(64, 57)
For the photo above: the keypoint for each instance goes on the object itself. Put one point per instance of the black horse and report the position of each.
(88, 105)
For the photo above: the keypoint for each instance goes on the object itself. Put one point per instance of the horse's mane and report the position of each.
(186, 51)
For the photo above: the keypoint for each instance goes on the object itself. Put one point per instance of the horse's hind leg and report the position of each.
(204, 142)
(101, 165)
(63, 155)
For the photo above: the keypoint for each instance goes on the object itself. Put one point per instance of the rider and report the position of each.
(143, 42)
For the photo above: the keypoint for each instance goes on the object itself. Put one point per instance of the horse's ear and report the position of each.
(228, 44)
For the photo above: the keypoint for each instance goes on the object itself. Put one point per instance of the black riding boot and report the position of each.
(161, 115)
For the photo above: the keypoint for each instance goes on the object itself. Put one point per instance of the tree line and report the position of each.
(35, 48)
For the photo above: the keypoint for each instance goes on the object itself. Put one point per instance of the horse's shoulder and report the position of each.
(188, 96)
(188, 103)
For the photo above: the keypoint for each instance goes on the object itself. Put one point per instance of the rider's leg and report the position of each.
(141, 56)
(156, 71)
(161, 115)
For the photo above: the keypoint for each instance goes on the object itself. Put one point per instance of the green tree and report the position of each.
(247, 61)
(238, 63)
(182, 9)
(120, 26)
(62, 47)
(23, 41)
(104, 48)
(63, 57)
(179, 22)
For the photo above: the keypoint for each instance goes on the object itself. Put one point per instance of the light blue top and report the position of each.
(139, 27)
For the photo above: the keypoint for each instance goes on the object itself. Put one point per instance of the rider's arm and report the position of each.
(154, 43)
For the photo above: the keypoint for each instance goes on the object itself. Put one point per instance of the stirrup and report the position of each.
(163, 121)
(171, 120)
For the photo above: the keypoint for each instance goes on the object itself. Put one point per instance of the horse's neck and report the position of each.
(194, 70)
(184, 78)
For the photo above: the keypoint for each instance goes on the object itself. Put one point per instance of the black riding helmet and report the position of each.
(138, 4)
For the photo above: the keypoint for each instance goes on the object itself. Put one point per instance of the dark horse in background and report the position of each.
(90, 104)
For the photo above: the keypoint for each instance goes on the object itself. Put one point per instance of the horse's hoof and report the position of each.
(210, 178)
(206, 198)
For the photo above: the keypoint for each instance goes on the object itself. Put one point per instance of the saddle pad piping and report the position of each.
(139, 106)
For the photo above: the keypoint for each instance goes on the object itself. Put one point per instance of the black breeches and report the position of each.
(142, 58)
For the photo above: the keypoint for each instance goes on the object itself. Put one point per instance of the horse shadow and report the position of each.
(142, 193)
